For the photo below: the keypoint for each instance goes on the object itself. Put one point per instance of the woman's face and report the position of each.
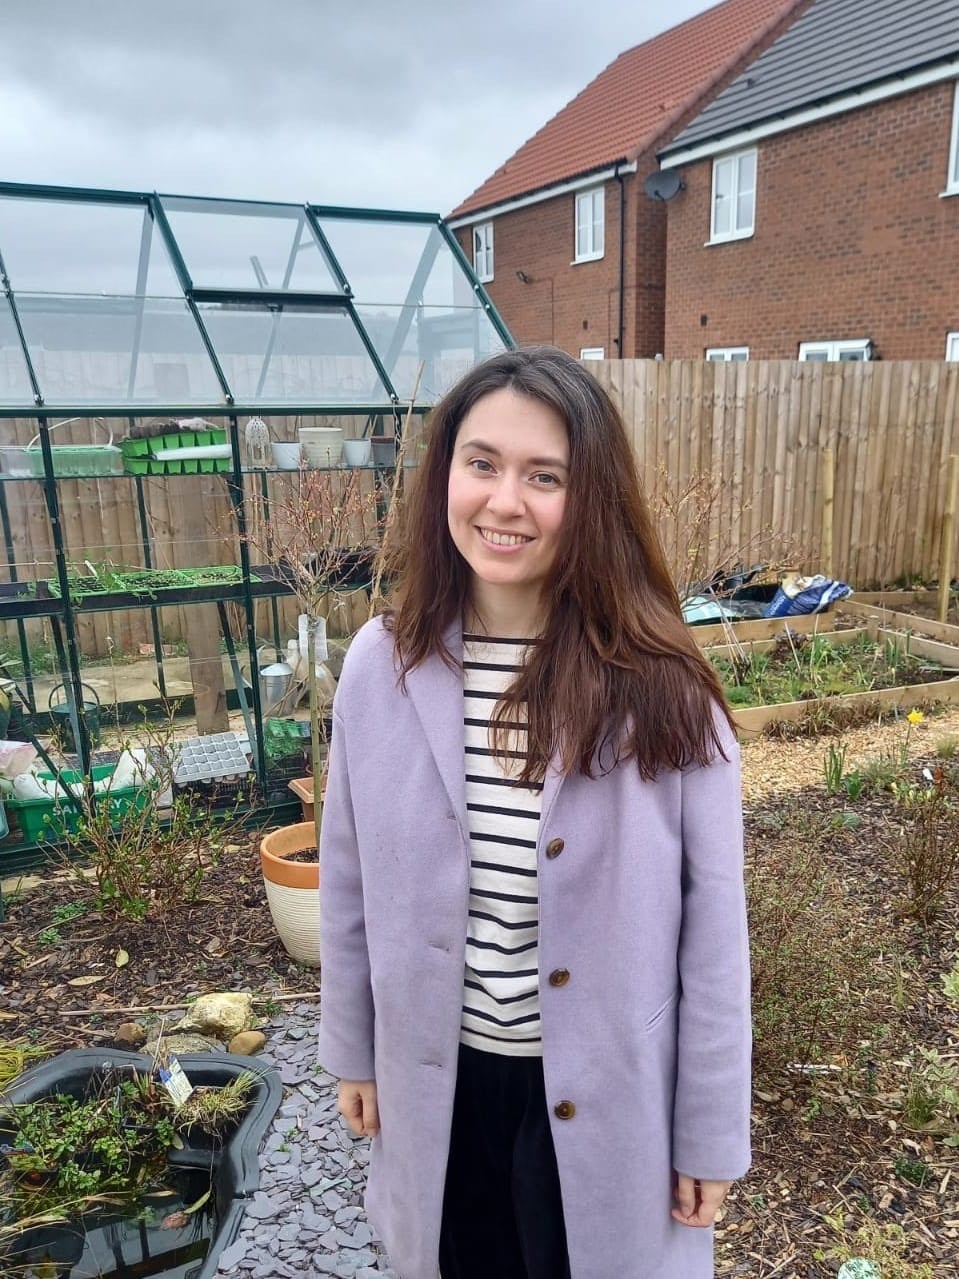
(506, 497)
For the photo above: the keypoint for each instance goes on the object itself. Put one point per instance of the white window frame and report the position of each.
(591, 219)
(834, 350)
(952, 346)
(719, 354)
(952, 173)
(592, 353)
(483, 251)
(735, 232)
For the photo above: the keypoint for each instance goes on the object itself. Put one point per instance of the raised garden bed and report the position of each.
(790, 677)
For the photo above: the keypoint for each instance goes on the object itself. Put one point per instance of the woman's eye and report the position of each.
(543, 477)
(481, 464)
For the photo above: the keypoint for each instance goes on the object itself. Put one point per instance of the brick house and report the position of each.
(820, 212)
(570, 249)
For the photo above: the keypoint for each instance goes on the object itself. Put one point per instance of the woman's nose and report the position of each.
(507, 495)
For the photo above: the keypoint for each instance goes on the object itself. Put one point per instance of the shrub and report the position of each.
(926, 844)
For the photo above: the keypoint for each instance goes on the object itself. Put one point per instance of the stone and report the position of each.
(247, 1042)
(222, 1014)
(131, 1035)
(184, 1043)
(232, 1256)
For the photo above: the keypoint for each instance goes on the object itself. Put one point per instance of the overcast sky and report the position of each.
(365, 103)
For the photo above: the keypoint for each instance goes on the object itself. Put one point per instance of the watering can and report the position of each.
(62, 718)
(275, 683)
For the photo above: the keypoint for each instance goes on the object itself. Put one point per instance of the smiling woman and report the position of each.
(535, 973)
(506, 499)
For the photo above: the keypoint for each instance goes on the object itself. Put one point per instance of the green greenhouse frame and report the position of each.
(132, 305)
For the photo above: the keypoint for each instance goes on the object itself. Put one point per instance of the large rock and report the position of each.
(223, 1015)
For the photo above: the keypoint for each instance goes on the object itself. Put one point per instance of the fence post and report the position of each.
(945, 546)
(828, 494)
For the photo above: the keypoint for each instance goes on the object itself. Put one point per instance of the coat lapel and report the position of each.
(437, 696)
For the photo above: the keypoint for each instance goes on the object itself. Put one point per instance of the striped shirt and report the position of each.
(501, 987)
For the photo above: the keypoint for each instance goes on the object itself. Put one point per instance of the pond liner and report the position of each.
(236, 1170)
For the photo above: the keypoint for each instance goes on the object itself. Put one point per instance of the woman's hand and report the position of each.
(356, 1102)
(697, 1201)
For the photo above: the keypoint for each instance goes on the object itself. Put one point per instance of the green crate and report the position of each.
(137, 465)
(49, 818)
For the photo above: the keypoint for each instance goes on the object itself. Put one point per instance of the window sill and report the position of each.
(590, 257)
(944, 195)
(485, 279)
(729, 239)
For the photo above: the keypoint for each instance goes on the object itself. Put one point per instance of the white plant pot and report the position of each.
(286, 454)
(322, 445)
(357, 452)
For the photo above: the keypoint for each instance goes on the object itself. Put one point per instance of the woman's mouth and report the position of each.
(503, 539)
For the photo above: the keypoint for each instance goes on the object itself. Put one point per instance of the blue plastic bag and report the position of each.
(812, 596)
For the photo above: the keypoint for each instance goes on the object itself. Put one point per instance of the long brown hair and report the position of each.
(615, 674)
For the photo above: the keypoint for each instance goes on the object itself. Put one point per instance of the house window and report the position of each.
(952, 346)
(483, 251)
(590, 224)
(857, 350)
(952, 184)
(592, 353)
(734, 196)
(721, 353)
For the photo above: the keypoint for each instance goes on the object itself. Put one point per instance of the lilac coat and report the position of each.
(644, 905)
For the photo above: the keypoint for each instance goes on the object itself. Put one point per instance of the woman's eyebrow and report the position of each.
(554, 462)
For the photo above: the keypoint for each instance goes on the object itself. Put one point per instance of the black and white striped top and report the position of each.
(501, 992)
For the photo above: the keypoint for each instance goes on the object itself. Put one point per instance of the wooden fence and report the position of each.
(756, 430)
(760, 429)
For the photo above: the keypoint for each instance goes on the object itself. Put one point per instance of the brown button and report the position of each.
(559, 977)
(555, 847)
(564, 1110)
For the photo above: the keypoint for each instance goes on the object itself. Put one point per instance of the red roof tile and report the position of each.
(634, 102)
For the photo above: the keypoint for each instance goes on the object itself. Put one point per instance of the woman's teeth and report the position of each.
(503, 539)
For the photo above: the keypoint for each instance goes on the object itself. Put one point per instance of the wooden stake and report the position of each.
(828, 493)
(945, 545)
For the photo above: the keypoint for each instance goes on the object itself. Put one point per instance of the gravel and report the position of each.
(307, 1218)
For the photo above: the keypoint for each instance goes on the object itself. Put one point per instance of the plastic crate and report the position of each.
(49, 818)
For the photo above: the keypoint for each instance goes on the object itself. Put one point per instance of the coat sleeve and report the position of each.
(712, 1102)
(346, 1009)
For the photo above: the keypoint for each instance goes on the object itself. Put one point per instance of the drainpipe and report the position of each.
(622, 260)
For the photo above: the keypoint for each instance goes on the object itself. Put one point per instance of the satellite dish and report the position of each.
(663, 184)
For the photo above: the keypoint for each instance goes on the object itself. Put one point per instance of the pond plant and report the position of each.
(65, 1156)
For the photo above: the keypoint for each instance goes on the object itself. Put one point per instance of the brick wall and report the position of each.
(571, 306)
(851, 240)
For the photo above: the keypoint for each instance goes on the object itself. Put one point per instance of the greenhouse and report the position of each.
(190, 390)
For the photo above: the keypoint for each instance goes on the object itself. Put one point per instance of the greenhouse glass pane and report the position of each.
(67, 246)
(447, 341)
(395, 263)
(116, 350)
(15, 385)
(297, 354)
(234, 244)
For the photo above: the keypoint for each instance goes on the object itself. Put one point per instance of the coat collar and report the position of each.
(436, 692)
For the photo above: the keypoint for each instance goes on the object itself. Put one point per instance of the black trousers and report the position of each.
(502, 1211)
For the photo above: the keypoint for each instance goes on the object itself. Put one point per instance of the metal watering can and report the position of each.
(61, 713)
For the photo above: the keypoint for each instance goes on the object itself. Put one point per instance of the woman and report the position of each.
(535, 971)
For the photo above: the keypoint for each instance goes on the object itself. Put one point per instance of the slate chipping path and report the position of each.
(307, 1217)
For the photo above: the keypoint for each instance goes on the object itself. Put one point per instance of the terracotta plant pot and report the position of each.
(293, 890)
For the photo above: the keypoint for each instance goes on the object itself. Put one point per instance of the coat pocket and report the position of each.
(662, 1011)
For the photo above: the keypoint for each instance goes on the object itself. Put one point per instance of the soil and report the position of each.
(832, 1150)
